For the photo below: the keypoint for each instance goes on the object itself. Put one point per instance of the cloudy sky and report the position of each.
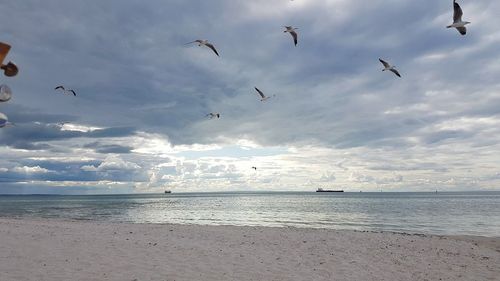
(138, 123)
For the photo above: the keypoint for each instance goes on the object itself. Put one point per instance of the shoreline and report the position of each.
(467, 237)
(54, 249)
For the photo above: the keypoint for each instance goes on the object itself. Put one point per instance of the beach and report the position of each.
(54, 249)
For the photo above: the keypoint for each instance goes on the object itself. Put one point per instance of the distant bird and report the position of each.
(389, 67)
(4, 121)
(457, 19)
(65, 91)
(255, 168)
(204, 43)
(261, 94)
(292, 32)
(5, 93)
(213, 115)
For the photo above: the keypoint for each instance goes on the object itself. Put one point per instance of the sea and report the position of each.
(442, 213)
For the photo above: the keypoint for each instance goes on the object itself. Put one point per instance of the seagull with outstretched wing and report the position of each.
(206, 44)
(65, 91)
(389, 67)
(261, 94)
(457, 19)
(292, 32)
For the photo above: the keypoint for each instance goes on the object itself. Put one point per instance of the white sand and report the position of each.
(62, 250)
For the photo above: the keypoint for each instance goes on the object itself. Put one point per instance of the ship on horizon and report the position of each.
(328, 190)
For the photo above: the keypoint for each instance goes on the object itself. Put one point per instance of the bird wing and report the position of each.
(386, 65)
(213, 48)
(395, 72)
(462, 30)
(294, 35)
(192, 42)
(4, 121)
(4, 50)
(74, 94)
(59, 87)
(260, 92)
(457, 12)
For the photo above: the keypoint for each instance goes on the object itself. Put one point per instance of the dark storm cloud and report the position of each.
(53, 165)
(31, 146)
(108, 148)
(446, 135)
(124, 56)
(34, 136)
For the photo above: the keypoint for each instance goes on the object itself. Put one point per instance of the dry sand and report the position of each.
(55, 250)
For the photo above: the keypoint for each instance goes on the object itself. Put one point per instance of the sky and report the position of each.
(138, 121)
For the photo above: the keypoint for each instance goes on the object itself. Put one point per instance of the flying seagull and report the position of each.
(457, 19)
(205, 43)
(10, 69)
(65, 91)
(4, 121)
(213, 115)
(5, 93)
(292, 32)
(262, 96)
(389, 67)
(255, 168)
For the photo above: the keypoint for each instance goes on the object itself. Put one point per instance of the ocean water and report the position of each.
(452, 213)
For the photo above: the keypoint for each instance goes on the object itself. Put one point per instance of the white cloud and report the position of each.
(30, 170)
(112, 163)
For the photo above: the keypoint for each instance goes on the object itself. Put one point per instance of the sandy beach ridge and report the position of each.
(51, 250)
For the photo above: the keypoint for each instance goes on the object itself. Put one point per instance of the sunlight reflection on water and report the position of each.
(442, 213)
